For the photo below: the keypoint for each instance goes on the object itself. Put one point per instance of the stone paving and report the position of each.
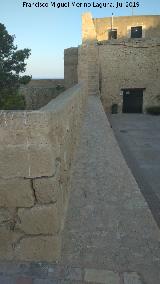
(44, 273)
(110, 235)
(138, 136)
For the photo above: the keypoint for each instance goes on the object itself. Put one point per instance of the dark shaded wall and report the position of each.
(70, 67)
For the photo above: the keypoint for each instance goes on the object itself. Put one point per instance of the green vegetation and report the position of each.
(12, 64)
(12, 102)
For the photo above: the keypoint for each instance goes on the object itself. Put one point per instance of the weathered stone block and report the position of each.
(46, 189)
(39, 249)
(101, 276)
(13, 162)
(7, 240)
(26, 161)
(12, 137)
(16, 193)
(39, 220)
(132, 278)
(41, 161)
(37, 146)
(7, 218)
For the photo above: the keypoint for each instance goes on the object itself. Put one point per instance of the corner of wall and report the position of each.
(88, 29)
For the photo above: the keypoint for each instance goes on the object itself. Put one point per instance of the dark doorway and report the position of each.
(136, 32)
(133, 100)
(112, 34)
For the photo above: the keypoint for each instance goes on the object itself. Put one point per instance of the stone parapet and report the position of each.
(36, 150)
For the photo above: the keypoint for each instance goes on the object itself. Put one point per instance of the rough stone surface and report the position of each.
(39, 220)
(16, 193)
(40, 137)
(24, 280)
(32, 163)
(36, 152)
(132, 278)
(38, 96)
(116, 73)
(108, 66)
(46, 189)
(138, 136)
(8, 238)
(101, 276)
(109, 225)
(44, 83)
(7, 280)
(70, 66)
(40, 248)
(56, 273)
(123, 25)
(40, 164)
(88, 28)
(88, 68)
(5, 216)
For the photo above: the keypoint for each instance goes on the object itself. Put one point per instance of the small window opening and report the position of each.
(136, 32)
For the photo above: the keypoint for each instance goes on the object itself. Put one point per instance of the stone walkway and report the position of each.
(109, 225)
(110, 235)
(43, 273)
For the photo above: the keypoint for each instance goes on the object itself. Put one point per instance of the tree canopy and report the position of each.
(12, 65)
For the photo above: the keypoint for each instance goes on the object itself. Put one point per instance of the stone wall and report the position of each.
(36, 150)
(129, 65)
(45, 83)
(88, 28)
(37, 97)
(88, 67)
(70, 67)
(40, 92)
(98, 28)
(109, 66)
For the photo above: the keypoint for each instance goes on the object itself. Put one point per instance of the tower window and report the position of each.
(136, 32)
(112, 34)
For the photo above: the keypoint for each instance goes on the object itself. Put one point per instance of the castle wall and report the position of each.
(129, 66)
(88, 68)
(40, 92)
(70, 67)
(88, 28)
(111, 65)
(36, 150)
(150, 24)
(37, 97)
(46, 83)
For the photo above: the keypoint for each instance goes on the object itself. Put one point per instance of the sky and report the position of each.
(47, 31)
